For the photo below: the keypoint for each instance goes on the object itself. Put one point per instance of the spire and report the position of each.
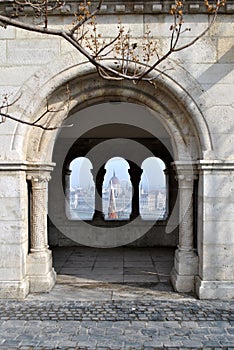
(112, 206)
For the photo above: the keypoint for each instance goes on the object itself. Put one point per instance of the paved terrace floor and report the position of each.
(115, 299)
(118, 265)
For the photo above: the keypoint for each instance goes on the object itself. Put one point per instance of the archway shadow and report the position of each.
(142, 267)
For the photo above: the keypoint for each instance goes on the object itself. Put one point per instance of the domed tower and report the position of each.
(115, 184)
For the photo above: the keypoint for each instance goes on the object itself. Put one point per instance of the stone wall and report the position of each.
(199, 82)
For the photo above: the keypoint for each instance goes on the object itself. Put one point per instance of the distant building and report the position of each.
(114, 184)
(161, 200)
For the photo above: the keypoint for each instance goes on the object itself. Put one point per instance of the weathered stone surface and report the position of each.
(225, 50)
(2, 52)
(192, 109)
(20, 76)
(31, 52)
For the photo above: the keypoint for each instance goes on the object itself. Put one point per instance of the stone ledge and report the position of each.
(26, 166)
(122, 7)
(218, 165)
(204, 164)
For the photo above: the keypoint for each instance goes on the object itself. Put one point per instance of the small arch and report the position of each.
(153, 190)
(117, 190)
(81, 190)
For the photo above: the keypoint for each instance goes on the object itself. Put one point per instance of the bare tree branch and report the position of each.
(8, 116)
(120, 47)
(5, 104)
(87, 17)
(118, 59)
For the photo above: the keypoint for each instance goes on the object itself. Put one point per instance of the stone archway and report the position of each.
(170, 104)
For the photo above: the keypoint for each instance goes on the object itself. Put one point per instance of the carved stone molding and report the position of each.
(185, 180)
(38, 178)
(120, 7)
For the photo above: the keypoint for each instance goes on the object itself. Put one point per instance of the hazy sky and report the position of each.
(152, 178)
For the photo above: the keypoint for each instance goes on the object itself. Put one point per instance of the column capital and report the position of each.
(68, 172)
(39, 178)
(185, 180)
(185, 167)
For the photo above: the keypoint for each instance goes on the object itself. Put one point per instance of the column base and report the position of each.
(42, 283)
(14, 289)
(184, 271)
(182, 284)
(41, 274)
(214, 289)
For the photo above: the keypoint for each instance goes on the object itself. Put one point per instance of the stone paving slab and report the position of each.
(126, 265)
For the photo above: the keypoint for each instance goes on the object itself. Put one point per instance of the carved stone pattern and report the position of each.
(115, 7)
(186, 222)
(38, 219)
(38, 180)
(39, 211)
(186, 184)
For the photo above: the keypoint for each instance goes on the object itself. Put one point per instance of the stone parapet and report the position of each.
(120, 7)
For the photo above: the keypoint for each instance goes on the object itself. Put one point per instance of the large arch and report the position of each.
(179, 108)
(170, 103)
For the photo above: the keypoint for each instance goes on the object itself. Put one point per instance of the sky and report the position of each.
(152, 178)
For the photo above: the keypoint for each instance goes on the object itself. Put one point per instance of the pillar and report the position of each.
(215, 230)
(39, 265)
(99, 178)
(186, 260)
(135, 177)
(67, 193)
(14, 282)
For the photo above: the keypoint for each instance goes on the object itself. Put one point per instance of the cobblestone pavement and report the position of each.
(86, 310)
(118, 324)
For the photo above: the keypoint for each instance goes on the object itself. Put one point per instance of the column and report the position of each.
(99, 178)
(186, 260)
(41, 274)
(135, 177)
(67, 193)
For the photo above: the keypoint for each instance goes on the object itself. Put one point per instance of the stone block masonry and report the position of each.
(191, 103)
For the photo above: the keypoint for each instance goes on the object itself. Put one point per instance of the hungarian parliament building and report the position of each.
(117, 202)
